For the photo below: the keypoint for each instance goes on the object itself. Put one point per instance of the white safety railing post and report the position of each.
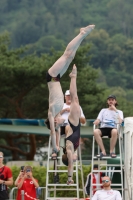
(22, 194)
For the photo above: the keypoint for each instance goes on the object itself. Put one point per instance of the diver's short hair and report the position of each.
(47, 123)
(65, 159)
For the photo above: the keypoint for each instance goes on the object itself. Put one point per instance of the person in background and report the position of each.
(108, 119)
(107, 193)
(66, 111)
(28, 183)
(96, 179)
(6, 179)
(20, 176)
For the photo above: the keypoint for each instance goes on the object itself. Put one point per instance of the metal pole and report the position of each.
(47, 193)
(81, 168)
(22, 194)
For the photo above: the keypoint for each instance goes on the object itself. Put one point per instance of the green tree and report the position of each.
(24, 92)
(19, 76)
(113, 56)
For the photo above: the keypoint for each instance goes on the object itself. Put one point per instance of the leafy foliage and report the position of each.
(37, 28)
(42, 25)
(24, 92)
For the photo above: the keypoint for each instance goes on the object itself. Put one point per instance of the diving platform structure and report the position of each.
(37, 126)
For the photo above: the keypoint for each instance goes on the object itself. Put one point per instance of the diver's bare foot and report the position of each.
(86, 30)
(73, 72)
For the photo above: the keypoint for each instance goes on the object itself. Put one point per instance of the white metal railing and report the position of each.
(50, 187)
(110, 168)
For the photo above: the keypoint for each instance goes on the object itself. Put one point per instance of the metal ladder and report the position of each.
(55, 187)
(109, 164)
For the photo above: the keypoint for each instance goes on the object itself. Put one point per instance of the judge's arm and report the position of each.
(96, 122)
(82, 118)
(99, 118)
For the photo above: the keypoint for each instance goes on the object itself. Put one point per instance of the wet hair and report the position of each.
(64, 156)
(65, 159)
(47, 123)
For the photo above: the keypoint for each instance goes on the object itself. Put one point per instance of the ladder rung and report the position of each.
(108, 170)
(50, 158)
(78, 165)
(115, 184)
(111, 165)
(105, 157)
(122, 189)
(59, 170)
(63, 198)
(54, 184)
(51, 189)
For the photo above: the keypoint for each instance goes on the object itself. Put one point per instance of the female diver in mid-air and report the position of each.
(72, 130)
(56, 97)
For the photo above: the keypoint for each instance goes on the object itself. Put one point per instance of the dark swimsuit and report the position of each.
(52, 79)
(75, 136)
